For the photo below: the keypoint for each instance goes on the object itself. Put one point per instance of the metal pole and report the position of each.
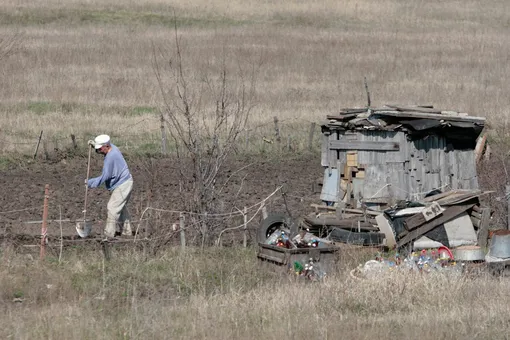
(44, 227)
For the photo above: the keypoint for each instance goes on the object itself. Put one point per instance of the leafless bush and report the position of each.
(493, 175)
(205, 115)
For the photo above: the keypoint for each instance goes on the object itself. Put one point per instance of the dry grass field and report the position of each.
(87, 66)
(224, 294)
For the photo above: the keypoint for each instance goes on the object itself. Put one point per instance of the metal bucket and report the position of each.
(500, 246)
(468, 253)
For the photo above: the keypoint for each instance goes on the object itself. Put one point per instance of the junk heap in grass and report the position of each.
(402, 178)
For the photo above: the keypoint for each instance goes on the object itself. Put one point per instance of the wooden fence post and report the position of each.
(44, 226)
(264, 210)
(310, 136)
(38, 142)
(277, 130)
(507, 193)
(245, 228)
(73, 140)
(181, 231)
(163, 135)
(45, 149)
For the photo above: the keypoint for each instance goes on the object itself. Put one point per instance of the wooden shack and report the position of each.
(377, 156)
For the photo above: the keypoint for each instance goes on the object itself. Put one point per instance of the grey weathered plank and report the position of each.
(406, 114)
(414, 109)
(447, 215)
(363, 145)
(333, 154)
(325, 150)
(376, 180)
(483, 232)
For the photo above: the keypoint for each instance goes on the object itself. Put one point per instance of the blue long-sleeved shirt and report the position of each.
(115, 171)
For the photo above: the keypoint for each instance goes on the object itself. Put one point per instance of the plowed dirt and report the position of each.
(156, 185)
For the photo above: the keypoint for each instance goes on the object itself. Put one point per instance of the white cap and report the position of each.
(101, 140)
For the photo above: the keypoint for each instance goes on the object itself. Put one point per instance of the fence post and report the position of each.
(276, 130)
(38, 142)
(310, 136)
(264, 210)
(246, 139)
(45, 149)
(245, 228)
(73, 140)
(181, 230)
(44, 226)
(507, 193)
(163, 135)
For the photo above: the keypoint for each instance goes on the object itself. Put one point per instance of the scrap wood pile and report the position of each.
(450, 219)
(411, 119)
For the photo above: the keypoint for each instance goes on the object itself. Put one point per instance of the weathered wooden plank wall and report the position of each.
(418, 166)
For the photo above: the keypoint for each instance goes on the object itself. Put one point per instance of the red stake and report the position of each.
(44, 227)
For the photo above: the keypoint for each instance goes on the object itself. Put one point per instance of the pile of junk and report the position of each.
(396, 177)
(444, 229)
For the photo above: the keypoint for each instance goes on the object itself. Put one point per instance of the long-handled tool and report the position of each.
(84, 228)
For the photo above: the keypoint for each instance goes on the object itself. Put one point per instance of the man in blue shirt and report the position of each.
(118, 180)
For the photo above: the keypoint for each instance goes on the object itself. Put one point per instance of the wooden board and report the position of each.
(428, 213)
(363, 145)
(483, 232)
(447, 215)
(408, 114)
(325, 150)
(352, 158)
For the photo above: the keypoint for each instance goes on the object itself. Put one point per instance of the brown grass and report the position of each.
(86, 67)
(223, 294)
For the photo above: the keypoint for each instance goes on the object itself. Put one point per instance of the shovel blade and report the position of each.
(84, 228)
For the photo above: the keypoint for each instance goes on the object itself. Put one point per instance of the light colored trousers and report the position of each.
(118, 214)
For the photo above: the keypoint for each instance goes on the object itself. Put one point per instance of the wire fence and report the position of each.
(276, 135)
(186, 223)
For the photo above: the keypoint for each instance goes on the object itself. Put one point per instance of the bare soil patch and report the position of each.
(156, 185)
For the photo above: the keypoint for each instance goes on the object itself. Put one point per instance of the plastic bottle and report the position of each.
(273, 237)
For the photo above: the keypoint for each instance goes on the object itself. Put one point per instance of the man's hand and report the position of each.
(86, 181)
(91, 143)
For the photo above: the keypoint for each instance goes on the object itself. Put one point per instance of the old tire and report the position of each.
(270, 224)
(362, 239)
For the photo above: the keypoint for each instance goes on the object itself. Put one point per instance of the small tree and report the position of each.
(205, 114)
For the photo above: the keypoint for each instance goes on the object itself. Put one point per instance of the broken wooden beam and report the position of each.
(363, 145)
(448, 214)
(342, 223)
(427, 214)
(483, 232)
(480, 145)
(347, 210)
